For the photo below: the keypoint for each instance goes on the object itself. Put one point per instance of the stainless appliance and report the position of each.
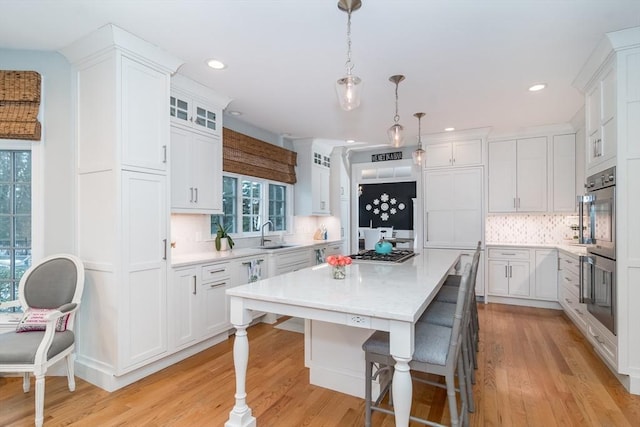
(598, 288)
(396, 256)
(597, 215)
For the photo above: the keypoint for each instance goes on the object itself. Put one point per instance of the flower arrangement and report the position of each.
(338, 264)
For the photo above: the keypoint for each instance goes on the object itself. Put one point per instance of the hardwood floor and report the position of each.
(536, 369)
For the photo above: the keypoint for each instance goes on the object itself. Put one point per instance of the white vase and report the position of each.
(224, 244)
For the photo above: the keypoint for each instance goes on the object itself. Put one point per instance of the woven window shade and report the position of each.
(245, 155)
(19, 105)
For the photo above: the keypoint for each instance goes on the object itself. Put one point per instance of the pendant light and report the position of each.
(348, 88)
(418, 155)
(396, 132)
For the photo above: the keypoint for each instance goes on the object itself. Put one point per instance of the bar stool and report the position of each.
(437, 351)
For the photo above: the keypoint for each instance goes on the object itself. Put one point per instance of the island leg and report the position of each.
(240, 415)
(402, 391)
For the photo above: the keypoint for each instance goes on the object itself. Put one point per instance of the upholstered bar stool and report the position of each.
(437, 351)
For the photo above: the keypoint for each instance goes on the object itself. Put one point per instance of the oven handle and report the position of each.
(585, 259)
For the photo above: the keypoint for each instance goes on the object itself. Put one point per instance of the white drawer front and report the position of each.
(215, 272)
(508, 253)
(570, 264)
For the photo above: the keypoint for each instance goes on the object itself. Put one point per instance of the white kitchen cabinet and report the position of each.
(196, 172)
(183, 306)
(509, 272)
(518, 175)
(564, 173)
(545, 283)
(569, 290)
(195, 107)
(312, 190)
(455, 153)
(291, 260)
(601, 115)
(214, 280)
(121, 91)
(453, 214)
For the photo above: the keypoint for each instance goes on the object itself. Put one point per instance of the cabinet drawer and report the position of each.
(603, 343)
(215, 272)
(571, 282)
(293, 258)
(570, 264)
(508, 253)
(575, 310)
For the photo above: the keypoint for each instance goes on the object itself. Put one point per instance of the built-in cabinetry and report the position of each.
(518, 175)
(453, 214)
(313, 174)
(122, 87)
(197, 306)
(196, 147)
(569, 289)
(600, 108)
(564, 173)
(454, 153)
(525, 273)
(291, 260)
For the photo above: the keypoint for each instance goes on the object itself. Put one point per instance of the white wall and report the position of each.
(53, 196)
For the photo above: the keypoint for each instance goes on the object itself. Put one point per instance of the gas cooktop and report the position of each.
(396, 256)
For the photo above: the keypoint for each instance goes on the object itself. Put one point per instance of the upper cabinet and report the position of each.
(313, 175)
(601, 112)
(518, 175)
(564, 173)
(196, 147)
(455, 153)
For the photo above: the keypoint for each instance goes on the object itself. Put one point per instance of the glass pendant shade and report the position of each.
(349, 90)
(418, 155)
(396, 135)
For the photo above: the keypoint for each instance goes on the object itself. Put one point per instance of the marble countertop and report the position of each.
(215, 256)
(390, 291)
(574, 249)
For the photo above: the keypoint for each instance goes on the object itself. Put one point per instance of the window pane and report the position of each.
(5, 198)
(23, 199)
(5, 166)
(23, 231)
(23, 167)
(5, 231)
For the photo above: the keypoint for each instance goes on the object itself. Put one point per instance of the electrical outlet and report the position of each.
(359, 321)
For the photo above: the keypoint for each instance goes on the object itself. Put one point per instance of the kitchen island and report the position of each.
(388, 297)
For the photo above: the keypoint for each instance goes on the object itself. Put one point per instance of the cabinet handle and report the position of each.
(217, 285)
(164, 155)
(578, 311)
(164, 255)
(195, 287)
(191, 199)
(597, 338)
(568, 300)
(507, 254)
(217, 271)
(454, 161)
(196, 191)
(506, 271)
(249, 263)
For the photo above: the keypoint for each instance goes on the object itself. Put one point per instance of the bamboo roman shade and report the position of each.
(19, 104)
(245, 155)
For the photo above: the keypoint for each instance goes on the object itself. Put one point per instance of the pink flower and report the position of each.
(341, 260)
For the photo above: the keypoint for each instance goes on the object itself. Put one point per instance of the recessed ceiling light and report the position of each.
(235, 113)
(538, 86)
(350, 141)
(449, 129)
(216, 64)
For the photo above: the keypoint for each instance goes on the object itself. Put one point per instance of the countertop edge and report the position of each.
(576, 250)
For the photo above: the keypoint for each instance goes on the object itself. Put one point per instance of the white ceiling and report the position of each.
(468, 64)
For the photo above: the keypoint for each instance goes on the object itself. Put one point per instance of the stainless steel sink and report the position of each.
(277, 246)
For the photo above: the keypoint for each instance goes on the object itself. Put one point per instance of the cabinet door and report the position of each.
(593, 109)
(467, 204)
(519, 281)
(498, 276)
(546, 274)
(439, 208)
(213, 307)
(320, 182)
(144, 307)
(181, 176)
(183, 307)
(145, 135)
(531, 185)
(465, 153)
(207, 164)
(502, 176)
(564, 173)
(438, 155)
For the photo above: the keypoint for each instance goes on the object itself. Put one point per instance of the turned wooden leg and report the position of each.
(240, 415)
(402, 391)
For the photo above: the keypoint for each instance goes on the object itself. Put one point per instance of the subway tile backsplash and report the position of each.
(530, 228)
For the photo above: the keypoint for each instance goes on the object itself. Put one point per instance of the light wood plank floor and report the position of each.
(535, 370)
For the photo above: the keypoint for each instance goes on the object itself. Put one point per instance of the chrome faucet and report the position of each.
(262, 232)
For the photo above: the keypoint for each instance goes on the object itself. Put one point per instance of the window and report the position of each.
(15, 220)
(245, 200)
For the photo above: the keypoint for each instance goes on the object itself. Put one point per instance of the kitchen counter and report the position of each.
(213, 256)
(373, 296)
(573, 249)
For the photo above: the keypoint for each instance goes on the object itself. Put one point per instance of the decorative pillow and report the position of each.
(34, 319)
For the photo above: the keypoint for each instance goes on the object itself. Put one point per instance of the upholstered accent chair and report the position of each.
(49, 295)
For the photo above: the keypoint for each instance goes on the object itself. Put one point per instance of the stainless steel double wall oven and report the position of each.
(597, 211)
